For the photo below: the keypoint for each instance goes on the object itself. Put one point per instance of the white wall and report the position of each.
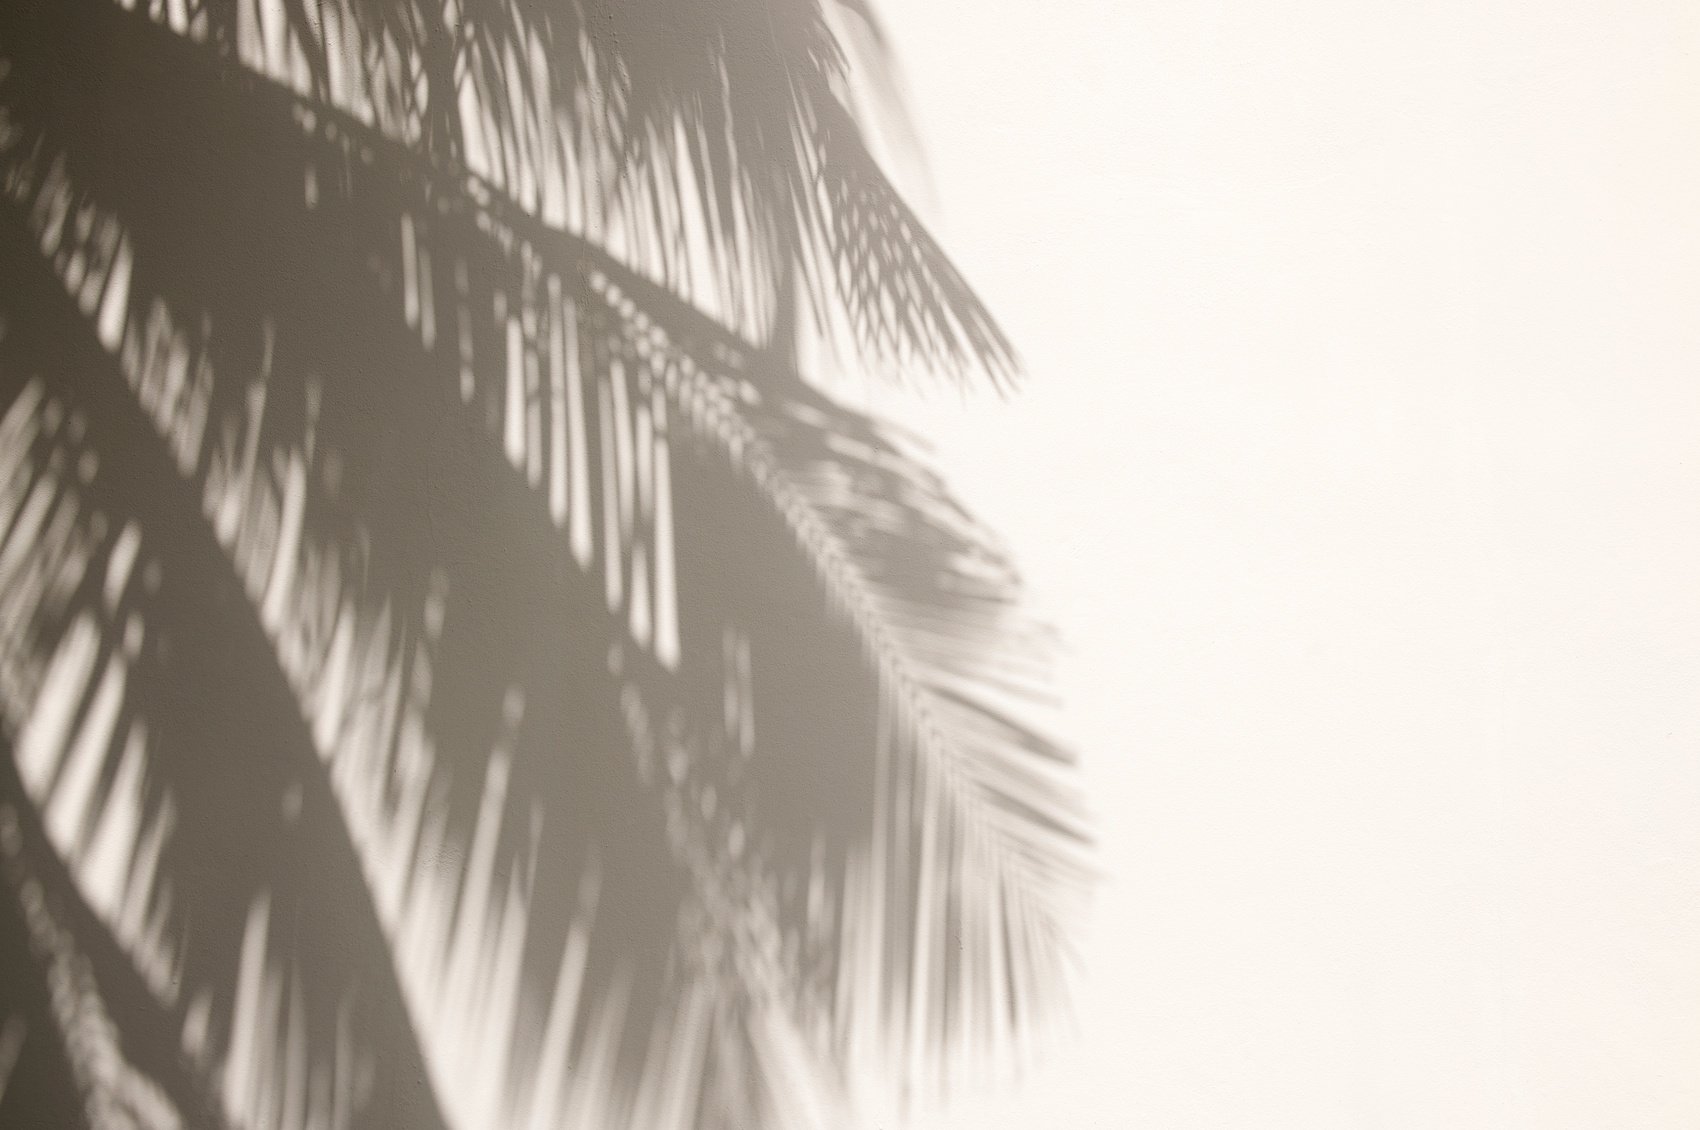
(1360, 464)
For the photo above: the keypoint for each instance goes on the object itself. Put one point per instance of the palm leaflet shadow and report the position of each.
(540, 556)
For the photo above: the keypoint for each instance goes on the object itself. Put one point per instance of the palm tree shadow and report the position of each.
(168, 762)
(495, 647)
(568, 809)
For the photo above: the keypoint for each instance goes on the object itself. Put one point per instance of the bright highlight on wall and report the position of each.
(1358, 462)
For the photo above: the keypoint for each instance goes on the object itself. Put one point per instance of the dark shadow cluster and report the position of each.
(456, 672)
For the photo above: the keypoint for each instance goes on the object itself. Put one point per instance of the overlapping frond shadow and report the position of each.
(168, 767)
(713, 145)
(652, 695)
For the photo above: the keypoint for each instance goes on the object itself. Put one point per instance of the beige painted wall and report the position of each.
(1360, 464)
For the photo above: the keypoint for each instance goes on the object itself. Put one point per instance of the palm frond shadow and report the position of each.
(712, 146)
(39, 1082)
(646, 687)
(132, 666)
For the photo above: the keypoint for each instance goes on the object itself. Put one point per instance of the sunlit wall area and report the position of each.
(1357, 464)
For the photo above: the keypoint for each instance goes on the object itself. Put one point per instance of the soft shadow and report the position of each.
(624, 727)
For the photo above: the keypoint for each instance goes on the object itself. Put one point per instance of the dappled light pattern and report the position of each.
(173, 782)
(65, 1060)
(457, 672)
